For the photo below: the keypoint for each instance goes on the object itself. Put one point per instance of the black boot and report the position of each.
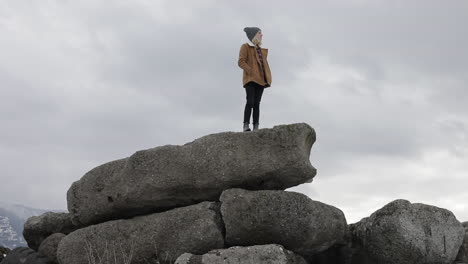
(246, 127)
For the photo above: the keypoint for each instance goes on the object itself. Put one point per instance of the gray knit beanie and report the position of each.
(251, 32)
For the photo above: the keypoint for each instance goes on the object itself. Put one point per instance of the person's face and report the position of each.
(259, 35)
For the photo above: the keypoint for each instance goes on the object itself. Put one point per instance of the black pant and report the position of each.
(254, 93)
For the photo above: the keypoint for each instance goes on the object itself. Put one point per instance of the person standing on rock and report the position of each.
(256, 76)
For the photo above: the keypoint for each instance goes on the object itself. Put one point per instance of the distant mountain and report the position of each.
(12, 219)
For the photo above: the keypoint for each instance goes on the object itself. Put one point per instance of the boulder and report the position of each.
(261, 254)
(24, 255)
(49, 247)
(146, 239)
(406, 233)
(290, 219)
(166, 177)
(38, 228)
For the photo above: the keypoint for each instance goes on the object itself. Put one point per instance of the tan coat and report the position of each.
(250, 63)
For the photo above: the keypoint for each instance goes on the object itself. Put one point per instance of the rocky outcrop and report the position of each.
(49, 247)
(279, 217)
(170, 176)
(24, 255)
(190, 202)
(145, 239)
(263, 254)
(38, 228)
(406, 233)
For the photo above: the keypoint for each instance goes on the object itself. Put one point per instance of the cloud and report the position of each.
(383, 83)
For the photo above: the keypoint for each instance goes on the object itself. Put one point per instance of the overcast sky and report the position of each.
(384, 84)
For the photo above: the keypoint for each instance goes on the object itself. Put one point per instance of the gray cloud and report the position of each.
(383, 83)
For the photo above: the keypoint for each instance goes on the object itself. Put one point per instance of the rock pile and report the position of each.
(222, 199)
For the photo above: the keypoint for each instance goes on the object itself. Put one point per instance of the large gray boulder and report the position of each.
(38, 228)
(261, 254)
(406, 233)
(146, 239)
(170, 176)
(279, 217)
(49, 247)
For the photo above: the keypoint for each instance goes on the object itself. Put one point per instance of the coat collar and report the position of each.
(252, 45)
